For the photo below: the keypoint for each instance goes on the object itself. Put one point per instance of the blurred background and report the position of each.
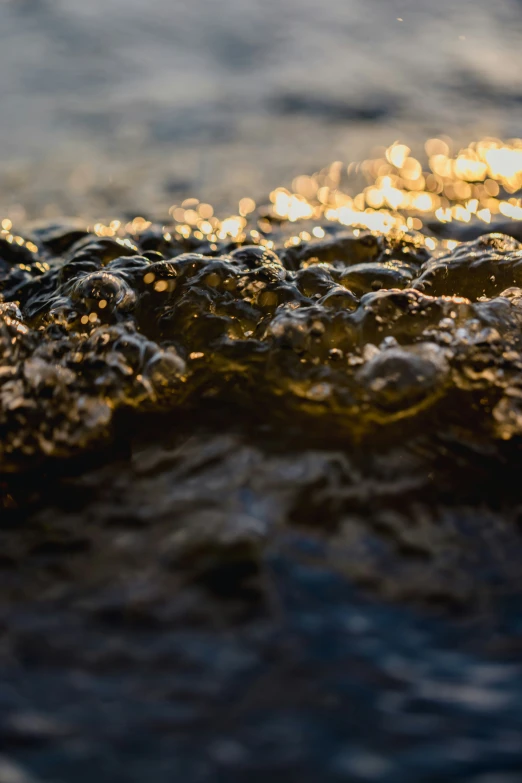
(112, 107)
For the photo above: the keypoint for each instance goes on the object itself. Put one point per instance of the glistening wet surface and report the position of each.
(259, 495)
(261, 509)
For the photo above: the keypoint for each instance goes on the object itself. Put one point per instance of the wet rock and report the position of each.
(483, 267)
(341, 248)
(106, 328)
(398, 378)
(241, 493)
(58, 236)
(363, 278)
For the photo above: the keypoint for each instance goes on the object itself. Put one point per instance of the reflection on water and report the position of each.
(478, 184)
(120, 104)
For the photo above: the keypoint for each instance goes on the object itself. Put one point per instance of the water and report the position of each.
(110, 105)
(279, 540)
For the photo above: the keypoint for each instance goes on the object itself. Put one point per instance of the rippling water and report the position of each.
(170, 98)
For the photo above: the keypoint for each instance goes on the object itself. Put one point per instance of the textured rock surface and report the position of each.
(260, 509)
(106, 327)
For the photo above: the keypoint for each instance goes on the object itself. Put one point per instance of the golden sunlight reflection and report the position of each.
(398, 189)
